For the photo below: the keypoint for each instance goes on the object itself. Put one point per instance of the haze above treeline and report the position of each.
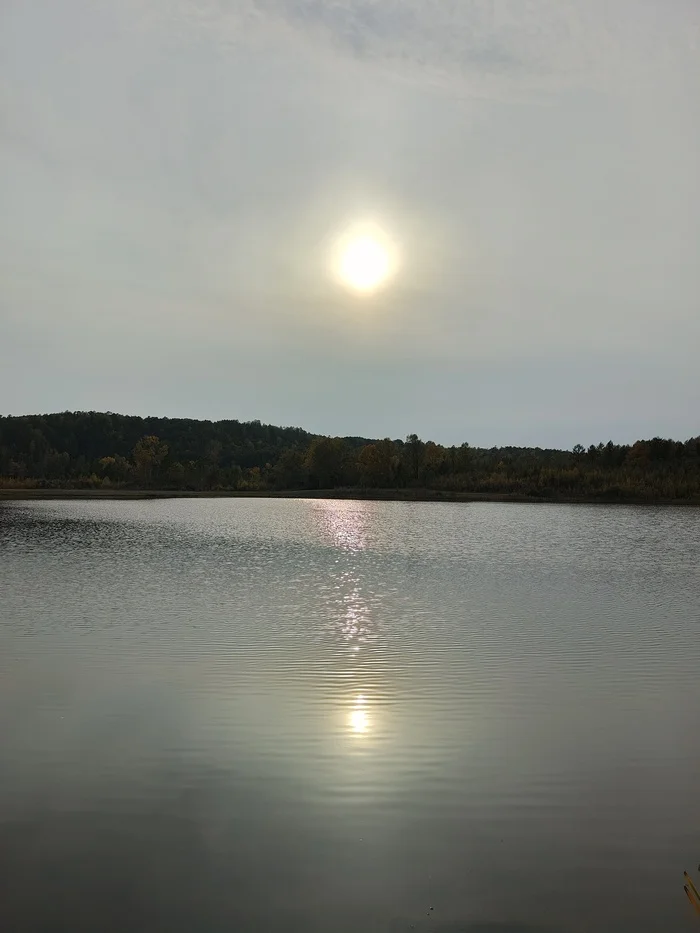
(175, 176)
(107, 451)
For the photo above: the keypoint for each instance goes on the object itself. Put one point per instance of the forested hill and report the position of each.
(95, 450)
(87, 436)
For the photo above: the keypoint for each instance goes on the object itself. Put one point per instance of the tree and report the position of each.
(212, 459)
(176, 475)
(413, 452)
(463, 458)
(326, 462)
(434, 462)
(149, 453)
(290, 471)
(378, 464)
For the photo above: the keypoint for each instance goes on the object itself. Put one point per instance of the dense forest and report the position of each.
(95, 450)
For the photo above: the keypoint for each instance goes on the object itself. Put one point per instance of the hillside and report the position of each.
(103, 450)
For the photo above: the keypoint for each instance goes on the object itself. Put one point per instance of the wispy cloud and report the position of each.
(484, 45)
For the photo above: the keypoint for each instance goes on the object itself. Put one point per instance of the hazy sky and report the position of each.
(172, 175)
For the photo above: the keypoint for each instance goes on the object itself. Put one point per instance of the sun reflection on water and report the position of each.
(344, 524)
(358, 720)
(355, 623)
(352, 606)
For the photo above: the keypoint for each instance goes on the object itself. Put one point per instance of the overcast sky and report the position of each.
(173, 172)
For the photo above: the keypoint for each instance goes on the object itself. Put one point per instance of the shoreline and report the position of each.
(380, 495)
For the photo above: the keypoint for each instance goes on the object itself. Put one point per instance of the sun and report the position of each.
(364, 259)
(364, 264)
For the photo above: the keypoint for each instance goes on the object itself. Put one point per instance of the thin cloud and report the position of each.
(481, 47)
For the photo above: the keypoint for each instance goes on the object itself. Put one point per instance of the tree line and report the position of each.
(98, 450)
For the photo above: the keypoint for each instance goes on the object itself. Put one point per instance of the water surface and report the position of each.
(341, 716)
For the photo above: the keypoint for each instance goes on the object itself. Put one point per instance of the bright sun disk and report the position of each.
(365, 264)
(364, 260)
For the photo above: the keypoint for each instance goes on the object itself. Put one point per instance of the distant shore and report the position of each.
(383, 495)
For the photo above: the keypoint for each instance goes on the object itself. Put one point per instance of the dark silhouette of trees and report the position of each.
(379, 465)
(110, 451)
(327, 462)
(291, 470)
(148, 456)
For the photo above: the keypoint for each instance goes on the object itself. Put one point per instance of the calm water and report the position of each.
(289, 715)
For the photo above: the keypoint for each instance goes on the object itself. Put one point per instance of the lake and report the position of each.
(341, 716)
